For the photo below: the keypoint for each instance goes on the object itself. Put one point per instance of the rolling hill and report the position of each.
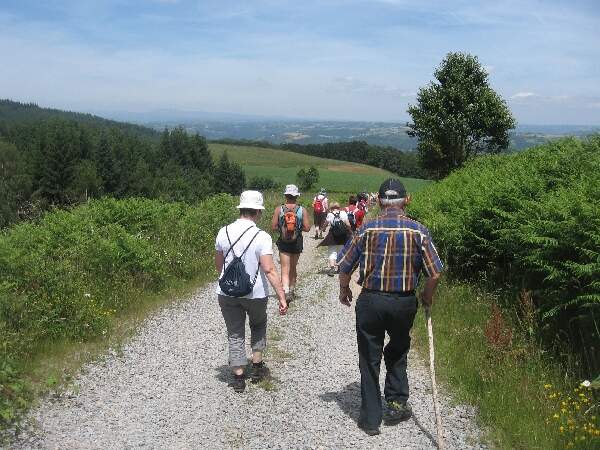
(282, 166)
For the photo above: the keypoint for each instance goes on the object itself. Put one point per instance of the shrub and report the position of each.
(259, 183)
(528, 221)
(68, 275)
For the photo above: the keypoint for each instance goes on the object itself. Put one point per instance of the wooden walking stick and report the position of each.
(436, 409)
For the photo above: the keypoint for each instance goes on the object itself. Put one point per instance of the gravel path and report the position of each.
(167, 388)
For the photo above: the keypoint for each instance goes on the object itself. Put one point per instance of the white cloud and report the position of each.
(523, 95)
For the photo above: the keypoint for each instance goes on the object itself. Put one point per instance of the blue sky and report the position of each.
(331, 59)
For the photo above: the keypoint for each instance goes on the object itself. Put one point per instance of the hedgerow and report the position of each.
(68, 275)
(526, 221)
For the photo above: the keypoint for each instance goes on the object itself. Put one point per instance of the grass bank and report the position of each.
(525, 226)
(489, 359)
(77, 277)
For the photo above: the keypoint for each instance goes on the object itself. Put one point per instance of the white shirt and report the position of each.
(262, 245)
(343, 216)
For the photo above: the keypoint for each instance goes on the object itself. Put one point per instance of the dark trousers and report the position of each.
(376, 314)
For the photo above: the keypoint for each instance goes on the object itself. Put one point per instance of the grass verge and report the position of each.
(79, 280)
(524, 400)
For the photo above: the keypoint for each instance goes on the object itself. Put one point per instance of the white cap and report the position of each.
(251, 200)
(292, 189)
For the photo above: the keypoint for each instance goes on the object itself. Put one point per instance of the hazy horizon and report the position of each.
(333, 60)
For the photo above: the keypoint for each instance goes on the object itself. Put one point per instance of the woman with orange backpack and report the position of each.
(290, 219)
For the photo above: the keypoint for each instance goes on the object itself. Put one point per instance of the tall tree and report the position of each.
(458, 116)
(15, 183)
(105, 164)
(229, 176)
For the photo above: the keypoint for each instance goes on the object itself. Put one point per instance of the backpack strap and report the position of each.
(258, 266)
(236, 241)
(300, 216)
(251, 241)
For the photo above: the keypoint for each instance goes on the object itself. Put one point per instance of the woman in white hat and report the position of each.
(243, 241)
(291, 220)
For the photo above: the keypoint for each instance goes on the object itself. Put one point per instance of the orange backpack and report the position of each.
(290, 222)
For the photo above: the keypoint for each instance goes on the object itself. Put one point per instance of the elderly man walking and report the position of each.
(391, 250)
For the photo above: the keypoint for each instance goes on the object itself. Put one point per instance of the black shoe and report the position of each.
(239, 383)
(397, 412)
(331, 272)
(369, 430)
(259, 372)
(289, 298)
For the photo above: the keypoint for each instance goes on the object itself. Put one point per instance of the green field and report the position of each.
(282, 166)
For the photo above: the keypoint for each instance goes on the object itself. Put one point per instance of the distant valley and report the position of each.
(384, 134)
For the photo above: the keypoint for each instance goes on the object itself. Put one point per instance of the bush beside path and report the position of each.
(167, 387)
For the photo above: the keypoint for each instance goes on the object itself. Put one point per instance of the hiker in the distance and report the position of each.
(244, 260)
(290, 219)
(392, 251)
(340, 231)
(355, 214)
(320, 207)
(363, 201)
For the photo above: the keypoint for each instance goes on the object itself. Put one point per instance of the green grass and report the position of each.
(505, 381)
(77, 278)
(282, 166)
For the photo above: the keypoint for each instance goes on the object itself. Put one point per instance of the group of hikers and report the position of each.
(390, 251)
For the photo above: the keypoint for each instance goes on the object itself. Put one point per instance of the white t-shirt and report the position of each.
(343, 216)
(262, 245)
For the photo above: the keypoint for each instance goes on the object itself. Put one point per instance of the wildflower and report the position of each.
(562, 429)
(547, 386)
(87, 295)
(556, 416)
(586, 383)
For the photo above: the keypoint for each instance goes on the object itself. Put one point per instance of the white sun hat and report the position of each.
(292, 189)
(251, 200)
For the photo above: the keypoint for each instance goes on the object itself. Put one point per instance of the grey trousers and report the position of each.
(234, 312)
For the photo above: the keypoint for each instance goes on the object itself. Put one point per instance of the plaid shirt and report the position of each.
(392, 250)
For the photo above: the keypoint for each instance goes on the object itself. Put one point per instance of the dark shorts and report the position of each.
(294, 248)
(319, 219)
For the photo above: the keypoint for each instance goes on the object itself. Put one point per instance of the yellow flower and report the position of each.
(556, 416)
(562, 429)
(547, 386)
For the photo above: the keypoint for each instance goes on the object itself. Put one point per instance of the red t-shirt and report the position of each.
(359, 214)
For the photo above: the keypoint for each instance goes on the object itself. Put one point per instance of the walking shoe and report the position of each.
(239, 383)
(259, 371)
(331, 271)
(397, 412)
(369, 430)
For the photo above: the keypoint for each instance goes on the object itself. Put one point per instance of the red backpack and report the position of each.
(318, 206)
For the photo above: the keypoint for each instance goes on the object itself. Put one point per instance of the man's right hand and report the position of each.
(345, 296)
(283, 306)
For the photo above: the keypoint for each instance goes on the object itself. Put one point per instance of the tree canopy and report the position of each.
(458, 116)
